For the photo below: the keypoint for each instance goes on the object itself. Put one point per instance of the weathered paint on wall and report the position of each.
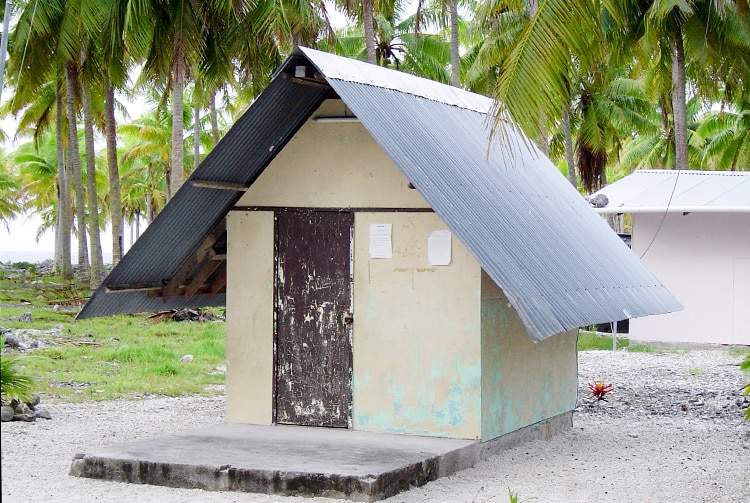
(416, 333)
(703, 259)
(336, 165)
(249, 379)
(522, 382)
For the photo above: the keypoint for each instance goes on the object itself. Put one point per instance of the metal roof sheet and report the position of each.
(167, 243)
(557, 261)
(660, 190)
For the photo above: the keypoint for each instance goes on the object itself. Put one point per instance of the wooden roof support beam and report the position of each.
(201, 278)
(194, 259)
(203, 290)
(306, 81)
(216, 184)
(220, 282)
(133, 287)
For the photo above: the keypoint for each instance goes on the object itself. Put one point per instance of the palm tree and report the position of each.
(74, 160)
(651, 146)
(117, 61)
(683, 33)
(584, 32)
(97, 266)
(728, 134)
(146, 158)
(443, 13)
(399, 47)
(58, 32)
(38, 174)
(365, 12)
(10, 191)
(167, 35)
(38, 77)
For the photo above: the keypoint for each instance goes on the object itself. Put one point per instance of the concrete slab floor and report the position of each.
(289, 460)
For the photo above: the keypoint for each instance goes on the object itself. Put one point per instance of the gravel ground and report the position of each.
(670, 431)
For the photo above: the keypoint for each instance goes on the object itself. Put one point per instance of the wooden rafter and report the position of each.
(200, 277)
(219, 284)
(202, 252)
(215, 184)
(134, 287)
(306, 81)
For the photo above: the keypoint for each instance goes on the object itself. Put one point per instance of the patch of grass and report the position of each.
(592, 340)
(643, 348)
(598, 341)
(696, 371)
(113, 357)
(738, 351)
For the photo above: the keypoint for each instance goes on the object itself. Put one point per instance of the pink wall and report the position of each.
(704, 260)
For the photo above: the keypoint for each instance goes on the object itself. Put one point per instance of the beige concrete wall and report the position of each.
(332, 165)
(704, 260)
(250, 286)
(416, 333)
(522, 382)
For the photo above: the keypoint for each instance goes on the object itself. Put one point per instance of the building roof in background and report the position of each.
(660, 190)
(559, 264)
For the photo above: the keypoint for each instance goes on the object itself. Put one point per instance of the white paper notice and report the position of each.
(380, 241)
(439, 247)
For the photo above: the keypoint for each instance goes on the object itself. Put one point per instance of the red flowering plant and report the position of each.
(600, 390)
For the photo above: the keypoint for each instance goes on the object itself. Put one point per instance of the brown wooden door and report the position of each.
(313, 336)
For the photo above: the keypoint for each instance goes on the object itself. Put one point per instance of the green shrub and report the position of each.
(13, 382)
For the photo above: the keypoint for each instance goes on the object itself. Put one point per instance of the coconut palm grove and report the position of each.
(603, 87)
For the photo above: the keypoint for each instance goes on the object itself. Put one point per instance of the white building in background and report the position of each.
(692, 230)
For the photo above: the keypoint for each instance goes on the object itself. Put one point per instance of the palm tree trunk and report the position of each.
(74, 158)
(115, 196)
(197, 135)
(569, 146)
(367, 20)
(178, 82)
(63, 201)
(214, 120)
(4, 44)
(97, 266)
(679, 104)
(455, 56)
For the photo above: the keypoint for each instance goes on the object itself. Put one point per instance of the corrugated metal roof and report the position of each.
(168, 242)
(557, 261)
(659, 190)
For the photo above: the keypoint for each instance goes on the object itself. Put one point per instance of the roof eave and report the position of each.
(673, 209)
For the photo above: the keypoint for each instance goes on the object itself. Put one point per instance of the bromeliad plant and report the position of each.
(746, 391)
(599, 390)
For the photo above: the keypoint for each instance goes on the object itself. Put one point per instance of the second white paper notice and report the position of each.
(439, 247)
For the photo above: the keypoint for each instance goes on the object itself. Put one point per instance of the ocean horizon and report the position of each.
(36, 256)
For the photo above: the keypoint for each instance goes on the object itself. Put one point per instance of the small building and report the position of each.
(385, 267)
(692, 230)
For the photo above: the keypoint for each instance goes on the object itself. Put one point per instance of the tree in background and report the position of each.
(9, 193)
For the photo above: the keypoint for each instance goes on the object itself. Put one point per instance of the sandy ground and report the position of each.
(671, 431)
